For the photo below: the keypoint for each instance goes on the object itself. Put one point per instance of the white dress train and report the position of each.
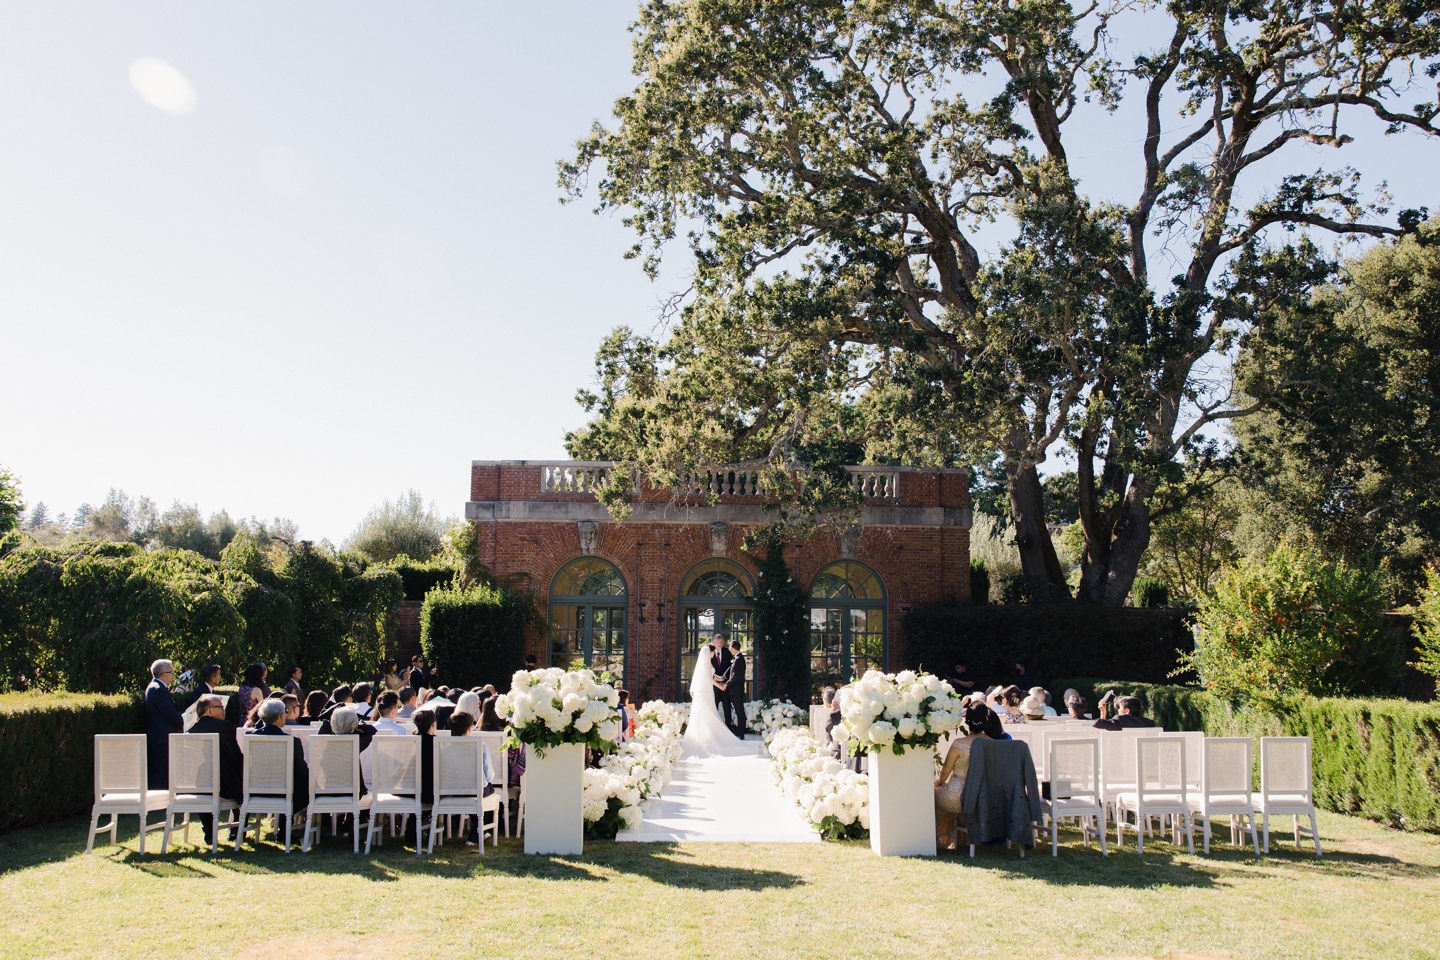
(705, 733)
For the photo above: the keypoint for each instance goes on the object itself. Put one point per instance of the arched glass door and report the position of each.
(847, 624)
(588, 601)
(715, 598)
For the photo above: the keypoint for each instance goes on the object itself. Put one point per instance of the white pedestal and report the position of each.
(902, 803)
(553, 822)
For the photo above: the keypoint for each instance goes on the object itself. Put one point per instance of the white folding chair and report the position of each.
(334, 785)
(495, 742)
(269, 785)
(460, 787)
(195, 785)
(1075, 789)
(1159, 790)
(1286, 784)
(1194, 758)
(122, 786)
(396, 774)
(1117, 764)
(1225, 787)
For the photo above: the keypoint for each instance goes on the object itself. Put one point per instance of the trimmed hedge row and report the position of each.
(475, 635)
(1373, 758)
(420, 577)
(1051, 639)
(47, 749)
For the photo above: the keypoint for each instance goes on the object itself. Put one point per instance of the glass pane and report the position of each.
(867, 641)
(699, 628)
(588, 577)
(567, 629)
(826, 645)
(607, 642)
(717, 578)
(847, 581)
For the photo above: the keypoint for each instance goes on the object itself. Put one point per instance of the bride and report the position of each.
(706, 734)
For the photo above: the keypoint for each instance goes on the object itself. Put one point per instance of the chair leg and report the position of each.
(1190, 831)
(165, 837)
(1140, 832)
(370, 834)
(240, 831)
(1315, 832)
(143, 831)
(1207, 836)
(94, 829)
(289, 824)
(1295, 820)
(419, 839)
(355, 833)
(1266, 819)
(1054, 838)
(1100, 830)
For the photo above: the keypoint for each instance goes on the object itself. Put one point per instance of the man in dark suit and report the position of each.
(1127, 717)
(209, 680)
(232, 762)
(272, 717)
(162, 718)
(735, 691)
(721, 660)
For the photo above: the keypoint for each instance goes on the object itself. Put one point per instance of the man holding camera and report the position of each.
(1127, 713)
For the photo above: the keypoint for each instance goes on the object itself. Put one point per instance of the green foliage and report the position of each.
(1149, 592)
(979, 582)
(1051, 639)
(47, 747)
(1021, 589)
(1192, 543)
(1426, 626)
(782, 636)
(475, 635)
(1292, 624)
(11, 503)
(406, 526)
(421, 576)
(1348, 452)
(183, 528)
(1374, 758)
(462, 553)
(609, 824)
(342, 612)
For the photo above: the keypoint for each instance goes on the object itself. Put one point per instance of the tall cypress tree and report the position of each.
(781, 637)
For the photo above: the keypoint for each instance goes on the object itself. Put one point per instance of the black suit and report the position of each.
(735, 695)
(232, 764)
(301, 797)
(162, 718)
(201, 689)
(721, 662)
(1124, 721)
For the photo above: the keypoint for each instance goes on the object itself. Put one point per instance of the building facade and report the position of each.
(638, 597)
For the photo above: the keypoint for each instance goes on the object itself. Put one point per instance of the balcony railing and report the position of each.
(572, 476)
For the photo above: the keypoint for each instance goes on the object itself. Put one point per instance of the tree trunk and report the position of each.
(1027, 509)
(1127, 543)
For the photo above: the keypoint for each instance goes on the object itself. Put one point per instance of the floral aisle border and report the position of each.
(836, 799)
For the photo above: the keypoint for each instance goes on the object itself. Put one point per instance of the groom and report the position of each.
(734, 687)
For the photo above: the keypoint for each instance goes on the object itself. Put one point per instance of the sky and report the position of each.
(295, 259)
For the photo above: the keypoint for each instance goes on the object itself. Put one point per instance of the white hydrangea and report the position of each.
(900, 711)
(820, 784)
(570, 703)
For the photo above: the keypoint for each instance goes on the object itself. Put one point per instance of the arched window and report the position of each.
(588, 601)
(715, 598)
(847, 624)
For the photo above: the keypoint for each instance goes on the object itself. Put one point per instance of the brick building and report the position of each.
(638, 597)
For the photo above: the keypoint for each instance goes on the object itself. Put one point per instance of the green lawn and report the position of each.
(1375, 893)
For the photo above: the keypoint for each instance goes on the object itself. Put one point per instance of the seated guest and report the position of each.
(490, 719)
(1022, 677)
(407, 703)
(1039, 693)
(425, 730)
(468, 703)
(489, 690)
(1033, 709)
(162, 718)
(272, 724)
(950, 783)
(315, 702)
(339, 697)
(436, 698)
(1128, 715)
(442, 716)
(460, 724)
(252, 688)
(386, 707)
(346, 722)
(292, 707)
(292, 682)
(360, 696)
(1075, 704)
(390, 677)
(211, 713)
(1012, 697)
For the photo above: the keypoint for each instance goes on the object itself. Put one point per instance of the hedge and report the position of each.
(420, 577)
(475, 635)
(1051, 639)
(47, 748)
(1375, 758)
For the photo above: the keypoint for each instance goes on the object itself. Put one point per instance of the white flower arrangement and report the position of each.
(836, 799)
(897, 711)
(638, 770)
(769, 717)
(551, 706)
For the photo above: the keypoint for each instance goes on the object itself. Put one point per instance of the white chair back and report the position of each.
(395, 765)
(194, 766)
(494, 741)
(458, 767)
(1160, 769)
(1117, 758)
(120, 764)
(1194, 757)
(269, 766)
(1074, 768)
(334, 765)
(1227, 768)
(1285, 768)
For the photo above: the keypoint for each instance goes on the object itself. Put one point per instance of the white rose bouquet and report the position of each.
(546, 708)
(897, 711)
(769, 717)
(835, 799)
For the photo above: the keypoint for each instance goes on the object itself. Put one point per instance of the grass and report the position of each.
(1375, 893)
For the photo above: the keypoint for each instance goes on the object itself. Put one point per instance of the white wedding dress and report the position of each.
(706, 734)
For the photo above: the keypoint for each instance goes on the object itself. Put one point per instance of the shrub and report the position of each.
(1373, 758)
(1021, 589)
(405, 527)
(1149, 592)
(1426, 625)
(979, 582)
(1053, 639)
(782, 635)
(1292, 624)
(475, 635)
(47, 749)
(420, 577)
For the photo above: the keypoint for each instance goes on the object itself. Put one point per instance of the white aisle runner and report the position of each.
(724, 800)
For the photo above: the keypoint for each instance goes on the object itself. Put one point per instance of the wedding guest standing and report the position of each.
(292, 683)
(252, 688)
(162, 718)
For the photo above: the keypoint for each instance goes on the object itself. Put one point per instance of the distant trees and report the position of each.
(11, 506)
(405, 526)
